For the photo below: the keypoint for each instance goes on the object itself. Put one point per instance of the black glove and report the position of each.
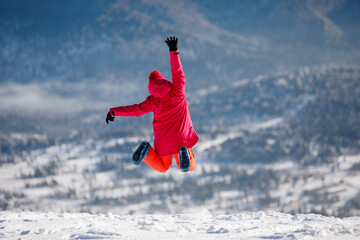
(109, 117)
(172, 43)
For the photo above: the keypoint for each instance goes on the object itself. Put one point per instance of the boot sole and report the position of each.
(141, 152)
(184, 159)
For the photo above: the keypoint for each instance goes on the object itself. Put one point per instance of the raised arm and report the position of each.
(178, 76)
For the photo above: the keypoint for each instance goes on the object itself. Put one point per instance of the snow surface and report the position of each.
(199, 225)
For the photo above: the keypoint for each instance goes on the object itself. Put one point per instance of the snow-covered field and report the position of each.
(200, 225)
(75, 185)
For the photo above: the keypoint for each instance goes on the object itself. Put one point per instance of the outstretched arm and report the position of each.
(178, 76)
(135, 110)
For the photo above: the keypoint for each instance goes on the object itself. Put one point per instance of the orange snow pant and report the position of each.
(163, 163)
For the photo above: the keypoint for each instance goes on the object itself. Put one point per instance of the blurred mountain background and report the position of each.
(273, 89)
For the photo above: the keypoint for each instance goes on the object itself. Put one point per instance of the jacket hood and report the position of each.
(158, 86)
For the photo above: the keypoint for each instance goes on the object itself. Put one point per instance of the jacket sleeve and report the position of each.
(135, 110)
(178, 76)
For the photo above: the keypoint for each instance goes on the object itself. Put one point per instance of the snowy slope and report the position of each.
(78, 178)
(201, 225)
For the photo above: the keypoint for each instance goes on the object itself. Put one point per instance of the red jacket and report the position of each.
(172, 123)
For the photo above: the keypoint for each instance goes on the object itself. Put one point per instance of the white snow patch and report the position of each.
(200, 225)
(281, 82)
(120, 141)
(241, 83)
(205, 91)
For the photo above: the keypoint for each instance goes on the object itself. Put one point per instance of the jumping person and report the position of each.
(172, 124)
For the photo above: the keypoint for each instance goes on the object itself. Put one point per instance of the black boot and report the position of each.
(184, 159)
(141, 152)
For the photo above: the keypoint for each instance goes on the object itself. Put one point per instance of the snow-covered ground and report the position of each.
(200, 225)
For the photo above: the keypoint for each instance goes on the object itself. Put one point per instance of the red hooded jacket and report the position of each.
(172, 123)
